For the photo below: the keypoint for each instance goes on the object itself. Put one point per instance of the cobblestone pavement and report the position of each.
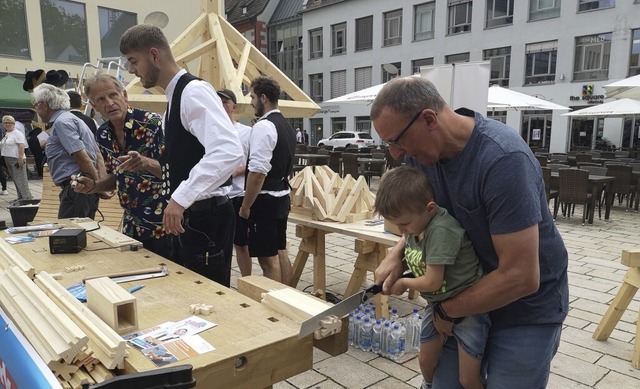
(595, 275)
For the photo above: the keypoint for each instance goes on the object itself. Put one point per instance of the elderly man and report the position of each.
(71, 149)
(131, 143)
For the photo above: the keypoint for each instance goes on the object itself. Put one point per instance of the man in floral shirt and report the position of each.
(131, 142)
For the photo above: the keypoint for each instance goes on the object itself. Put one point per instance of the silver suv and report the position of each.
(348, 138)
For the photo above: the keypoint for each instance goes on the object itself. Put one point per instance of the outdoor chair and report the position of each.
(350, 165)
(623, 185)
(557, 166)
(334, 161)
(583, 158)
(542, 159)
(574, 189)
(551, 193)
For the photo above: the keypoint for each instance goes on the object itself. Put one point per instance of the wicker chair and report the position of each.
(574, 189)
(350, 165)
(583, 158)
(550, 192)
(542, 159)
(557, 166)
(623, 185)
(334, 161)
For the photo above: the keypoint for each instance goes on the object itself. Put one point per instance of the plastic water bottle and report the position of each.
(352, 322)
(356, 330)
(394, 343)
(414, 329)
(365, 334)
(384, 337)
(402, 347)
(376, 337)
(394, 315)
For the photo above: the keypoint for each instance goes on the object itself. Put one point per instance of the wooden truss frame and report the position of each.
(226, 59)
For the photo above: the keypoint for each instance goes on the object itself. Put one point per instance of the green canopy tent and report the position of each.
(14, 100)
(12, 95)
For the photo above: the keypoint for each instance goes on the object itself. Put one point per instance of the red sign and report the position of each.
(6, 381)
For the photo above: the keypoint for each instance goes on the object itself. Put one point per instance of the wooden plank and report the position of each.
(113, 304)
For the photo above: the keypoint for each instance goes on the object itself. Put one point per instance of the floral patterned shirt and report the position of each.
(139, 191)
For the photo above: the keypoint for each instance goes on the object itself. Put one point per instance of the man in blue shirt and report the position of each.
(71, 149)
(485, 175)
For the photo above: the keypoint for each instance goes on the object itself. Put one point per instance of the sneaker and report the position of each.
(4, 193)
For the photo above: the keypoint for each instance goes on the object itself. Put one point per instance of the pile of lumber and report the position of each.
(77, 346)
(324, 195)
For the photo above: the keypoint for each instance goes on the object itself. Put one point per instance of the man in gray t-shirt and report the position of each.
(71, 149)
(485, 175)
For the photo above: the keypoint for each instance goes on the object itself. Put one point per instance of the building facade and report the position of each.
(563, 51)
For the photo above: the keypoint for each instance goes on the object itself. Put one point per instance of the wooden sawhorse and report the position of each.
(630, 285)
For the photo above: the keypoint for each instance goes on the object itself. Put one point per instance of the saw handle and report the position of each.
(375, 289)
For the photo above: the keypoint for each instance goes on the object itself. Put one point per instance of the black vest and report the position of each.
(282, 157)
(183, 150)
(87, 120)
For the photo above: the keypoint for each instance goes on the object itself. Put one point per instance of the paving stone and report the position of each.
(349, 371)
(577, 369)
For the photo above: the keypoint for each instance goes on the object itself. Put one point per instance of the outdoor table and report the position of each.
(313, 159)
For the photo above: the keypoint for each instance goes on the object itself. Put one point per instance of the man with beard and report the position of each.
(266, 201)
(131, 143)
(202, 150)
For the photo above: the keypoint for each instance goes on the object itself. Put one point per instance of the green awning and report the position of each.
(12, 95)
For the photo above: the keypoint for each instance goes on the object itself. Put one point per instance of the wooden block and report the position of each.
(254, 286)
(631, 257)
(304, 232)
(113, 304)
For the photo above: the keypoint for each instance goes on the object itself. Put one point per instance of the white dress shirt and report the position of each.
(202, 114)
(263, 140)
(237, 185)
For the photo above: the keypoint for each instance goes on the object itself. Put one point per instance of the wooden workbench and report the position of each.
(371, 245)
(255, 346)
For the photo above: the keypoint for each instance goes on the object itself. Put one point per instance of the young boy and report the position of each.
(444, 263)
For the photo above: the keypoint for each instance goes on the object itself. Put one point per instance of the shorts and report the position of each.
(267, 237)
(471, 333)
(241, 236)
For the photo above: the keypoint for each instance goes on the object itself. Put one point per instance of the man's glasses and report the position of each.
(396, 141)
(35, 105)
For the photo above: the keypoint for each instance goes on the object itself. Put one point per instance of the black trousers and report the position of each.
(207, 243)
(73, 204)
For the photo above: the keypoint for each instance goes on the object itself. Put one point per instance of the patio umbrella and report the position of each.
(616, 108)
(501, 99)
(627, 88)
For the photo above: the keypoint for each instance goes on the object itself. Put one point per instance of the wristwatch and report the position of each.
(437, 309)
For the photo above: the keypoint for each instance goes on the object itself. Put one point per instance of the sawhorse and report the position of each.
(630, 285)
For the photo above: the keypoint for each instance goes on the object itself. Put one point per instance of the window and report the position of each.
(285, 49)
(500, 64)
(14, 37)
(113, 23)
(588, 5)
(499, 13)
(339, 38)
(363, 77)
(390, 70)
(634, 63)
(315, 85)
(456, 58)
(338, 124)
(363, 124)
(423, 21)
(459, 16)
(392, 28)
(417, 63)
(543, 9)
(338, 83)
(364, 33)
(64, 29)
(591, 59)
(315, 43)
(540, 62)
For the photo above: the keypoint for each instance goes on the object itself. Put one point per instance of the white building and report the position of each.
(557, 50)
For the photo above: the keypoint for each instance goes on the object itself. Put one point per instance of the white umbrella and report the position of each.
(627, 88)
(616, 108)
(501, 99)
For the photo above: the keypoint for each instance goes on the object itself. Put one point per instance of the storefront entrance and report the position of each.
(536, 129)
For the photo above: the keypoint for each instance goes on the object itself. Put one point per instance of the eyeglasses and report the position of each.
(396, 141)
(35, 105)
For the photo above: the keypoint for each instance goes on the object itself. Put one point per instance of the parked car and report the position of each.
(348, 138)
